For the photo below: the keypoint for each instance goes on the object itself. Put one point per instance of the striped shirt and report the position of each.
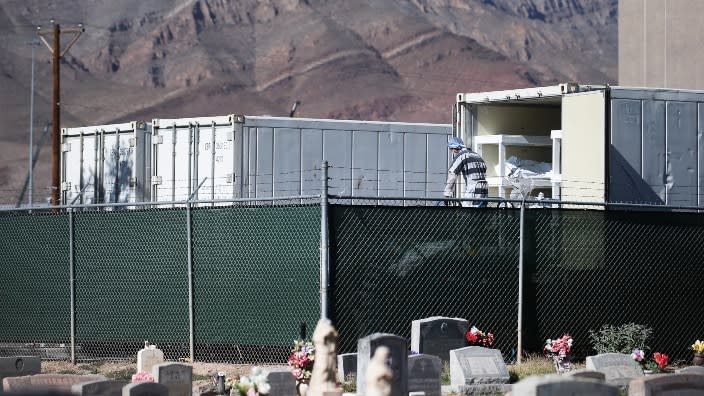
(473, 169)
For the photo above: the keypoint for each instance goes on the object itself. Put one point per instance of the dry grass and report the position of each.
(202, 372)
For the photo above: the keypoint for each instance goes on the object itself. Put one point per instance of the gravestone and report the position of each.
(99, 388)
(46, 382)
(667, 385)
(477, 365)
(145, 389)
(691, 370)
(346, 366)
(554, 384)
(588, 374)
(15, 366)
(438, 335)
(618, 368)
(398, 360)
(282, 382)
(177, 377)
(424, 373)
(149, 357)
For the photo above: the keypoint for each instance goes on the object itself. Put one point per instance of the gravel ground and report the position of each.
(202, 372)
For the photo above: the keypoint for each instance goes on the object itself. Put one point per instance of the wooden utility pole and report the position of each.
(57, 54)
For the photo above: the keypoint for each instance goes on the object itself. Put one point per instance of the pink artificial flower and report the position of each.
(298, 373)
(251, 392)
(142, 377)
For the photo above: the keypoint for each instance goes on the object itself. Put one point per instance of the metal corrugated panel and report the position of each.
(665, 132)
(106, 163)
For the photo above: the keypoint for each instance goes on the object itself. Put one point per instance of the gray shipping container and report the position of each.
(618, 144)
(106, 163)
(261, 157)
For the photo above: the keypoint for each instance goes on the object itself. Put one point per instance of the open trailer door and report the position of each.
(584, 147)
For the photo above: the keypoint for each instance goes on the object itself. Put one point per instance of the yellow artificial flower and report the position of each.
(698, 346)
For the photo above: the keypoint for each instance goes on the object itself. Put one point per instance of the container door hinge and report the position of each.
(157, 139)
(156, 180)
(230, 136)
(133, 181)
(65, 186)
(66, 147)
(230, 178)
(133, 142)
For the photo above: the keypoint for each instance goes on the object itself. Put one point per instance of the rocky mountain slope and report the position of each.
(400, 60)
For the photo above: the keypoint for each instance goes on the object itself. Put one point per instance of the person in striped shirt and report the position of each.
(472, 167)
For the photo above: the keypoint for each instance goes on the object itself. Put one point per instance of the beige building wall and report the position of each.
(661, 43)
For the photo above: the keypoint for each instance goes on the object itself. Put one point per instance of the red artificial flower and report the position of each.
(471, 337)
(661, 359)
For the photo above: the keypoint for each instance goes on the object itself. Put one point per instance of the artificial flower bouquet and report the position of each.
(559, 348)
(698, 346)
(477, 337)
(254, 384)
(657, 363)
(301, 359)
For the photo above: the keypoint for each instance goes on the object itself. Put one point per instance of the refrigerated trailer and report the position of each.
(600, 143)
(236, 156)
(106, 163)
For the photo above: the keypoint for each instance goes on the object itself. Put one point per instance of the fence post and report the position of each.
(521, 232)
(72, 285)
(191, 338)
(324, 247)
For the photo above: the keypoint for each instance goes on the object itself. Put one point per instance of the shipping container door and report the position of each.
(264, 163)
(79, 161)
(173, 162)
(681, 153)
(215, 157)
(583, 147)
(118, 166)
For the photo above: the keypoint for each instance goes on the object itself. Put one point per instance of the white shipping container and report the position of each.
(106, 163)
(605, 144)
(262, 157)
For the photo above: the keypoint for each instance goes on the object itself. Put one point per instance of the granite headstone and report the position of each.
(424, 373)
(46, 382)
(618, 368)
(15, 366)
(557, 385)
(282, 383)
(477, 365)
(667, 385)
(346, 366)
(99, 388)
(177, 377)
(145, 389)
(398, 361)
(438, 335)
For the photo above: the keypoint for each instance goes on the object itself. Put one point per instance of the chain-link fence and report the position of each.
(237, 283)
(399, 260)
(95, 282)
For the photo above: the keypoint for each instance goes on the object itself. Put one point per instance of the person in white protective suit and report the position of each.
(472, 167)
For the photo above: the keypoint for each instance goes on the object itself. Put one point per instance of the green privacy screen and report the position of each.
(256, 281)
(131, 282)
(590, 268)
(34, 279)
(393, 265)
